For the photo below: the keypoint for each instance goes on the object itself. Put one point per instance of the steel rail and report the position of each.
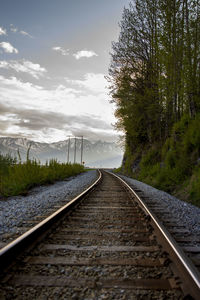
(9, 252)
(193, 274)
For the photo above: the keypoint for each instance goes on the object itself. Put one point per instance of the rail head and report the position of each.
(9, 252)
(187, 269)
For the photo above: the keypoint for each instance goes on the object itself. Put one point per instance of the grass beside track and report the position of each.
(18, 178)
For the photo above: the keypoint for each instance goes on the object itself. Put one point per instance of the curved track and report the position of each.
(102, 245)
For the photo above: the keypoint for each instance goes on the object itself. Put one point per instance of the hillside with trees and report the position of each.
(154, 79)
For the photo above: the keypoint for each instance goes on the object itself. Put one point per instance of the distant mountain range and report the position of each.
(95, 154)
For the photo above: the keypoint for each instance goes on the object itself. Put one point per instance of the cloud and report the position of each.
(15, 30)
(61, 50)
(92, 81)
(8, 48)
(25, 33)
(84, 53)
(25, 66)
(37, 120)
(91, 134)
(51, 114)
(2, 31)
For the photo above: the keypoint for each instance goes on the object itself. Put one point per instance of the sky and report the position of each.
(54, 56)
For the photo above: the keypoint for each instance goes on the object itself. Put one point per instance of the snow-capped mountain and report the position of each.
(95, 154)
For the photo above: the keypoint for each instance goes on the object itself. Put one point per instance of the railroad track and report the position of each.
(104, 244)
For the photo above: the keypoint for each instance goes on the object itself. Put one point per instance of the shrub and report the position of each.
(178, 161)
(5, 162)
(150, 158)
(19, 178)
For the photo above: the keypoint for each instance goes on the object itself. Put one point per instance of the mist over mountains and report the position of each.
(95, 154)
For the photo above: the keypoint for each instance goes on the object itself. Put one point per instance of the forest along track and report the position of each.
(104, 248)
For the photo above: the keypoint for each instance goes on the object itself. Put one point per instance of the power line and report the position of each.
(75, 148)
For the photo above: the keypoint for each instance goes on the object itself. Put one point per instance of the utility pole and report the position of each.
(75, 150)
(68, 149)
(81, 150)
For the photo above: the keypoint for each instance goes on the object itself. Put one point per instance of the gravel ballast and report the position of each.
(185, 213)
(15, 211)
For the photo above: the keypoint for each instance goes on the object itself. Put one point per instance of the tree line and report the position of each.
(154, 73)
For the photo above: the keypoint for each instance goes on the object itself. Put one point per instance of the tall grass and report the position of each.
(5, 162)
(18, 178)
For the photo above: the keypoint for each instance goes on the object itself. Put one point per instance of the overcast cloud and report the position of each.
(35, 120)
(54, 110)
(92, 82)
(53, 85)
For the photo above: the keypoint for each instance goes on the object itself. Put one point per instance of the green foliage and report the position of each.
(5, 162)
(191, 141)
(128, 163)
(179, 162)
(150, 165)
(148, 174)
(155, 84)
(19, 178)
(117, 170)
(151, 158)
(194, 191)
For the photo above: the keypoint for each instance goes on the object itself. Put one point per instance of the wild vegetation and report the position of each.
(18, 178)
(155, 83)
